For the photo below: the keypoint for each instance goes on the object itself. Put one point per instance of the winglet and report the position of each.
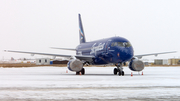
(6, 50)
(81, 31)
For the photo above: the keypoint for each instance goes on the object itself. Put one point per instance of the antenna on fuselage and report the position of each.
(81, 31)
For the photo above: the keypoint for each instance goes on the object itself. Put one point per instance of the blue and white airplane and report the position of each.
(114, 50)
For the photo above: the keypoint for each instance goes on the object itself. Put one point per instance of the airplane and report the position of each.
(113, 50)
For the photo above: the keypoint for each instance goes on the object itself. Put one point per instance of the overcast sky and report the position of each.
(35, 25)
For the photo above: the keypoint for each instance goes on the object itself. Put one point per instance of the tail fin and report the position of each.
(81, 31)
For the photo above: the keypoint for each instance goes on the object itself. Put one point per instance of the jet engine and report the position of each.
(75, 65)
(136, 65)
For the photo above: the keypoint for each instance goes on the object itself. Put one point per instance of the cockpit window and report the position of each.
(121, 44)
(128, 44)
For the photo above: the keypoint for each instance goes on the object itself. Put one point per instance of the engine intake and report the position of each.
(75, 65)
(136, 65)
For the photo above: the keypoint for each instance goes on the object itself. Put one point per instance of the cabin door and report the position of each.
(108, 46)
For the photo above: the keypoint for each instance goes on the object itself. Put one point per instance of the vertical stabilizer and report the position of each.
(81, 31)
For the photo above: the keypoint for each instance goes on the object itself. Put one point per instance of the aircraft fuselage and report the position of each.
(106, 51)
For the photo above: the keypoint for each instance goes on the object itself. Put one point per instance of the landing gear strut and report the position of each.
(82, 72)
(119, 69)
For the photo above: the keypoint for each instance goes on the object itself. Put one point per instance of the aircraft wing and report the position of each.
(33, 53)
(155, 54)
(88, 58)
(71, 49)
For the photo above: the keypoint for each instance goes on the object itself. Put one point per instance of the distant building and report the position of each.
(165, 61)
(174, 61)
(146, 63)
(60, 62)
(161, 62)
(43, 61)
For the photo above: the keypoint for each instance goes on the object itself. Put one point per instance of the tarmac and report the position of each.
(98, 84)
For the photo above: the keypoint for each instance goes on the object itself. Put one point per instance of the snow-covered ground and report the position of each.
(99, 83)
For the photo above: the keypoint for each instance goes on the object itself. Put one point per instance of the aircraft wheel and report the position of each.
(77, 73)
(83, 71)
(115, 71)
(122, 73)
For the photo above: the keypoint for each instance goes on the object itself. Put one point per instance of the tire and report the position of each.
(122, 73)
(77, 73)
(115, 71)
(83, 71)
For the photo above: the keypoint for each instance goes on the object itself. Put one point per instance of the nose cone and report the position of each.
(128, 54)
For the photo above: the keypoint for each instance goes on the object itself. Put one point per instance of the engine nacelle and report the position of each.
(136, 65)
(75, 65)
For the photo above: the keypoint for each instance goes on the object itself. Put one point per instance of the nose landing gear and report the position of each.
(119, 69)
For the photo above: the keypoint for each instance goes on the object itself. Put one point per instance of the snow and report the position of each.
(99, 83)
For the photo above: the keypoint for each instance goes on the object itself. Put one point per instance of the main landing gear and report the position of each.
(119, 69)
(82, 72)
